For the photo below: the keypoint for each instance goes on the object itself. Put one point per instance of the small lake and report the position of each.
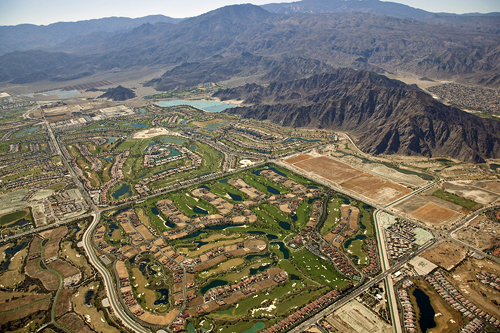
(223, 181)
(198, 210)
(124, 189)
(29, 130)
(272, 190)
(209, 106)
(358, 237)
(235, 197)
(257, 172)
(255, 271)
(155, 211)
(111, 140)
(214, 126)
(163, 299)
(284, 250)
(9, 253)
(213, 284)
(310, 201)
(112, 227)
(142, 111)
(251, 256)
(301, 139)
(294, 277)
(137, 125)
(108, 159)
(426, 311)
(346, 200)
(284, 225)
(494, 166)
(173, 140)
(258, 326)
(88, 297)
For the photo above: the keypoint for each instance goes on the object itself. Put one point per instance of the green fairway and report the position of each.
(466, 203)
(12, 217)
(333, 217)
(318, 269)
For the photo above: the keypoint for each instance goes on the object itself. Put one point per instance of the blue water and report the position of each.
(163, 296)
(88, 297)
(284, 225)
(258, 326)
(209, 106)
(206, 173)
(121, 211)
(200, 243)
(173, 140)
(169, 224)
(77, 228)
(427, 313)
(184, 121)
(142, 111)
(301, 139)
(29, 130)
(254, 271)
(358, 237)
(112, 227)
(205, 187)
(155, 211)
(235, 197)
(10, 252)
(111, 140)
(124, 189)
(136, 125)
(47, 149)
(346, 200)
(214, 126)
(295, 217)
(213, 284)
(198, 210)
(284, 250)
(143, 175)
(272, 190)
(108, 159)
(494, 166)
(313, 187)
(310, 201)
(257, 172)
(150, 145)
(223, 181)
(192, 147)
(294, 277)
(62, 94)
(251, 256)
(270, 236)
(208, 136)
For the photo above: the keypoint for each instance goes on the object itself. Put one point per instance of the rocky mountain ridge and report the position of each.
(386, 116)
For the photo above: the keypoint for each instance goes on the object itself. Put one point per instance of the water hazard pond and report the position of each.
(427, 313)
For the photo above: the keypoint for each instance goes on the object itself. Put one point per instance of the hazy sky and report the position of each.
(49, 11)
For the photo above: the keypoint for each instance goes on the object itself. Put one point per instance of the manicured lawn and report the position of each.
(466, 203)
(333, 217)
(318, 269)
(12, 217)
(356, 249)
(303, 213)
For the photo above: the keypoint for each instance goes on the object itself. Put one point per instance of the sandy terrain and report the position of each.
(356, 318)
(446, 255)
(152, 132)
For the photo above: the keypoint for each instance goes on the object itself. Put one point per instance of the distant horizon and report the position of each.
(54, 11)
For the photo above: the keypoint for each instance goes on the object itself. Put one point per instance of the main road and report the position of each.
(111, 291)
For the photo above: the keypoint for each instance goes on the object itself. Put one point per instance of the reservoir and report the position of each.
(284, 225)
(213, 284)
(427, 313)
(209, 106)
(272, 190)
(124, 189)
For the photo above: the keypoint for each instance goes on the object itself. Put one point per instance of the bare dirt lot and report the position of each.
(429, 209)
(446, 255)
(481, 233)
(64, 268)
(355, 318)
(53, 245)
(433, 213)
(376, 188)
(74, 323)
(464, 279)
(482, 192)
(49, 280)
(64, 302)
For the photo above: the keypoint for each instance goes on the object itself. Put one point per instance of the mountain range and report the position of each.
(352, 39)
(384, 116)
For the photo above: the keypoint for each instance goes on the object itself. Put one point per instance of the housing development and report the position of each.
(140, 217)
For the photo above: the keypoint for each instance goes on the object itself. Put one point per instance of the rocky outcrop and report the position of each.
(386, 116)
